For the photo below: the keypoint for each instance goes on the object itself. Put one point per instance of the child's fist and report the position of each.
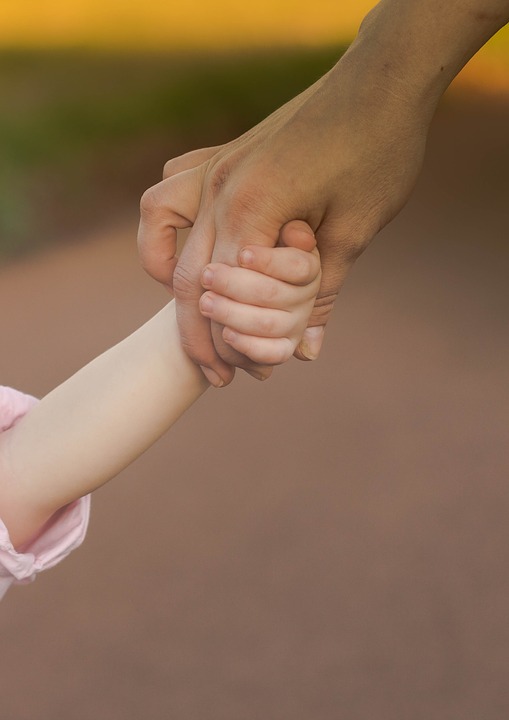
(264, 304)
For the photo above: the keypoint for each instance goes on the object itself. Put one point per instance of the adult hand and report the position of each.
(344, 166)
(343, 156)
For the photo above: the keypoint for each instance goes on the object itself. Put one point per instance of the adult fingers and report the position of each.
(166, 207)
(189, 160)
(312, 340)
(242, 214)
(195, 332)
(170, 205)
(338, 253)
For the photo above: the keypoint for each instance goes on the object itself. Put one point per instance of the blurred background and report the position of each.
(96, 94)
(332, 544)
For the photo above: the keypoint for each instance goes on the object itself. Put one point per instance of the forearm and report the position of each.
(417, 47)
(93, 425)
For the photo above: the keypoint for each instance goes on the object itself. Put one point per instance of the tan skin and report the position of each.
(342, 157)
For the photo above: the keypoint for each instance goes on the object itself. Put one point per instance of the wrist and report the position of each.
(413, 49)
(392, 63)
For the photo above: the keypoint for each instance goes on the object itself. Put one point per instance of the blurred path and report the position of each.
(330, 545)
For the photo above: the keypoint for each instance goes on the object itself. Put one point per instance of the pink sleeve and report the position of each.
(63, 533)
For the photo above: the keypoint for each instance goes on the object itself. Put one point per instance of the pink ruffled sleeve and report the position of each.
(62, 534)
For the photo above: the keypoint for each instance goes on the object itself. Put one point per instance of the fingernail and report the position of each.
(260, 374)
(212, 377)
(311, 342)
(207, 277)
(206, 303)
(246, 257)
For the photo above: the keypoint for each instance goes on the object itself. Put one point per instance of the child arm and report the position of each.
(94, 424)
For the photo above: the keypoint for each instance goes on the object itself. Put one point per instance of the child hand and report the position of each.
(264, 304)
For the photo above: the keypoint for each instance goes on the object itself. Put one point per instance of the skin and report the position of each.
(342, 157)
(93, 425)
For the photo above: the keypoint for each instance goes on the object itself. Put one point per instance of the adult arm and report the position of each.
(342, 156)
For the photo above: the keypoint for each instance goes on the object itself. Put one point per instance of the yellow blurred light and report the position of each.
(488, 71)
(190, 24)
(210, 24)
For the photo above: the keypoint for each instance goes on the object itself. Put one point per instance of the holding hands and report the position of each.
(98, 421)
(263, 305)
(343, 156)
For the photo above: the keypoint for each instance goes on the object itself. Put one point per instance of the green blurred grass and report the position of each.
(82, 134)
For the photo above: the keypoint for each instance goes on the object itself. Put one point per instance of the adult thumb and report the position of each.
(311, 343)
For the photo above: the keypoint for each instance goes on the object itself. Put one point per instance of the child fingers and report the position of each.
(261, 350)
(248, 319)
(288, 264)
(249, 287)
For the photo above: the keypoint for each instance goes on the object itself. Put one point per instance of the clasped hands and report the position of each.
(332, 166)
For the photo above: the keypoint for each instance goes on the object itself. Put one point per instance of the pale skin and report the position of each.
(107, 414)
(343, 156)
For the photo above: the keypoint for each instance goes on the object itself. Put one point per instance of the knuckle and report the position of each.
(266, 325)
(242, 205)
(149, 202)
(245, 202)
(344, 239)
(353, 240)
(353, 248)
(301, 268)
(185, 285)
(219, 177)
(172, 167)
(323, 307)
(282, 351)
(262, 260)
